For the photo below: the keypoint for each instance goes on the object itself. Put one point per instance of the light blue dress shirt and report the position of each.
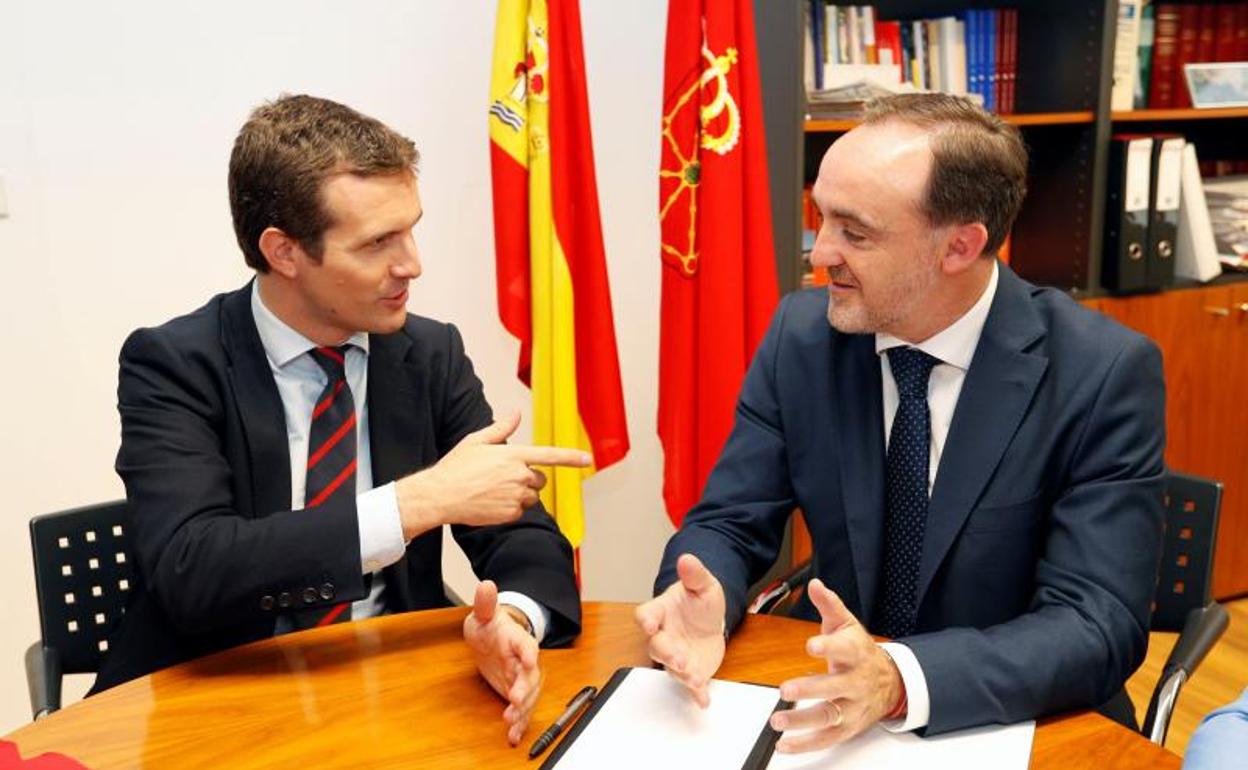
(300, 381)
(1221, 740)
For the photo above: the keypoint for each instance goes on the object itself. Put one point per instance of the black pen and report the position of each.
(578, 702)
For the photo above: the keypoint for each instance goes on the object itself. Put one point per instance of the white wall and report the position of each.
(116, 121)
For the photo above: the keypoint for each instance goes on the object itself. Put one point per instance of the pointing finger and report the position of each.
(553, 455)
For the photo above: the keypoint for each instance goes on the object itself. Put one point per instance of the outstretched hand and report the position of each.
(685, 625)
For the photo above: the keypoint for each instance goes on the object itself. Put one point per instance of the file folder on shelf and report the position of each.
(1195, 250)
(1125, 267)
(1163, 215)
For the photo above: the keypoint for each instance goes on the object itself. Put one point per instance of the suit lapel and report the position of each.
(995, 396)
(393, 434)
(392, 421)
(259, 405)
(858, 397)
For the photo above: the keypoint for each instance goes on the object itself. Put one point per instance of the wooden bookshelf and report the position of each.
(817, 126)
(1137, 116)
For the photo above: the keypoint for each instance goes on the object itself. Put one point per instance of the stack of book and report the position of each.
(974, 52)
(1155, 40)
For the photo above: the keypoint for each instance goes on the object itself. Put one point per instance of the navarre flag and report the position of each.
(553, 293)
(719, 275)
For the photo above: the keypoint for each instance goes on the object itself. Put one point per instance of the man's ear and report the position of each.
(280, 251)
(963, 247)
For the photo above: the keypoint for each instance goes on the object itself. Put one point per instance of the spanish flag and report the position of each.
(553, 293)
(719, 270)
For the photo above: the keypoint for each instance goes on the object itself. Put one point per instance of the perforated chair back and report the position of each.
(1185, 579)
(83, 577)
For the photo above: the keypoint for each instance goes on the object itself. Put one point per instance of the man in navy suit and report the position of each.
(292, 450)
(978, 460)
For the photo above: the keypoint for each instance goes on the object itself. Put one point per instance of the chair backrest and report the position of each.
(83, 577)
(1185, 579)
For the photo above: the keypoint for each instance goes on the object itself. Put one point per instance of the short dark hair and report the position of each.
(283, 154)
(979, 162)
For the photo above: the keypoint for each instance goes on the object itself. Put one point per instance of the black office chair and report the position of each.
(1181, 602)
(83, 577)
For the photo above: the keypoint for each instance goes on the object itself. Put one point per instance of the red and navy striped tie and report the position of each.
(331, 459)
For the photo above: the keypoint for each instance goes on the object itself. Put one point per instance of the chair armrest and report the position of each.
(1202, 629)
(1204, 626)
(43, 678)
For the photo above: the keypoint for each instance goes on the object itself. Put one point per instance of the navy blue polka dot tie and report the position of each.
(909, 448)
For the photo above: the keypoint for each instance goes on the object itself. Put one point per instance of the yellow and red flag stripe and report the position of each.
(553, 293)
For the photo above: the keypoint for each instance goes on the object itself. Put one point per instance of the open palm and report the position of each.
(685, 625)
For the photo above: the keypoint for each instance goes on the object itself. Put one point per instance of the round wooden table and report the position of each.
(402, 691)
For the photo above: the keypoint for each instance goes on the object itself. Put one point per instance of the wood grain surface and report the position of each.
(401, 691)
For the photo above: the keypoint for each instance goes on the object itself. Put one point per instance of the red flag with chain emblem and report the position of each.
(719, 273)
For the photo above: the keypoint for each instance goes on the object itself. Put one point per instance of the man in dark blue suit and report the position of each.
(978, 460)
(293, 450)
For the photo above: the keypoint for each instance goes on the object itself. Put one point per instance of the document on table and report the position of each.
(649, 721)
(995, 747)
(644, 719)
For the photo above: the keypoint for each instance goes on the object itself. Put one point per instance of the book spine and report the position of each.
(921, 74)
(906, 33)
(1011, 17)
(1241, 32)
(1225, 32)
(1145, 58)
(993, 41)
(973, 52)
(1165, 50)
(1126, 49)
(870, 49)
(1185, 52)
(1206, 36)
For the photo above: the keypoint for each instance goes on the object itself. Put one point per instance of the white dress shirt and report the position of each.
(300, 381)
(954, 347)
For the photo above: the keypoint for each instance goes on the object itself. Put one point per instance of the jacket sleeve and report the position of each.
(737, 527)
(530, 555)
(206, 565)
(1086, 629)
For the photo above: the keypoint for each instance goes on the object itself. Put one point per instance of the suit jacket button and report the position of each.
(309, 595)
(327, 591)
(266, 603)
(283, 600)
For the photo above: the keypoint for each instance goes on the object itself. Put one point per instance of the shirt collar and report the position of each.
(283, 344)
(955, 344)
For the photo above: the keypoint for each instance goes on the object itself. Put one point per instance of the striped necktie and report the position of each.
(331, 460)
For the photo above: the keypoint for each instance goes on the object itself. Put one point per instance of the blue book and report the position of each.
(991, 73)
(974, 53)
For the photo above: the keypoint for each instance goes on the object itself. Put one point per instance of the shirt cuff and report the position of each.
(919, 706)
(381, 529)
(539, 616)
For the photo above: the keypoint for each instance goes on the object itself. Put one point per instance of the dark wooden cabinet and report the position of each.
(1203, 336)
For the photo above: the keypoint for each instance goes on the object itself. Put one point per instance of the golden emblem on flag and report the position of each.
(511, 109)
(716, 126)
